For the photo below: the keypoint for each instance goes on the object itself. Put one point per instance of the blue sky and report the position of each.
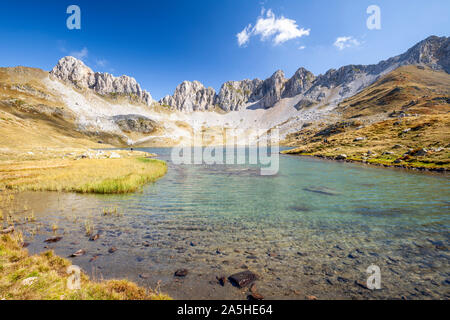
(162, 43)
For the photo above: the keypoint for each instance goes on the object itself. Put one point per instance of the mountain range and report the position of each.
(117, 110)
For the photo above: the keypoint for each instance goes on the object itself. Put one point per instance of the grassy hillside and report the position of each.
(402, 120)
(33, 117)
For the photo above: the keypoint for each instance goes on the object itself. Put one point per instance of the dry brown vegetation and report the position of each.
(103, 176)
(45, 277)
(33, 117)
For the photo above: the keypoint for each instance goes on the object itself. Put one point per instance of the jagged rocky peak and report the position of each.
(234, 95)
(329, 88)
(191, 96)
(272, 89)
(72, 70)
(300, 82)
(433, 51)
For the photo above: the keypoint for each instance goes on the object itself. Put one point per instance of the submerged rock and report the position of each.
(221, 280)
(78, 253)
(112, 250)
(255, 295)
(94, 258)
(94, 237)
(242, 279)
(53, 239)
(322, 190)
(181, 273)
(299, 208)
(361, 284)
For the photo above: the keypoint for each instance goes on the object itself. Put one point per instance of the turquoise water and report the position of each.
(312, 229)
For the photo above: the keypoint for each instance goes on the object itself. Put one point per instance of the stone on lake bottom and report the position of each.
(242, 279)
(112, 250)
(181, 273)
(53, 239)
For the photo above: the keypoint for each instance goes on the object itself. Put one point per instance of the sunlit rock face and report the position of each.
(191, 96)
(300, 82)
(326, 89)
(235, 95)
(70, 69)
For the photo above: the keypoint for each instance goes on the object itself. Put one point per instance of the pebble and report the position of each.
(78, 253)
(53, 239)
(221, 280)
(94, 237)
(181, 273)
(112, 250)
(242, 279)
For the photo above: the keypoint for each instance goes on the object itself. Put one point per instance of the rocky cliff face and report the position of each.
(191, 96)
(72, 70)
(135, 123)
(272, 89)
(300, 82)
(433, 52)
(234, 95)
(329, 88)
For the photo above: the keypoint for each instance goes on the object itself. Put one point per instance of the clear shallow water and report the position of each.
(313, 229)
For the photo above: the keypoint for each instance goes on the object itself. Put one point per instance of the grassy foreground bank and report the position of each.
(83, 175)
(45, 277)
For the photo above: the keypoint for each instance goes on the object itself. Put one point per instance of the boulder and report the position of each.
(242, 279)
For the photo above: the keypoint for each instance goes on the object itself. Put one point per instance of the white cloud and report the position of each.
(244, 36)
(268, 26)
(346, 42)
(62, 46)
(301, 48)
(101, 63)
(81, 55)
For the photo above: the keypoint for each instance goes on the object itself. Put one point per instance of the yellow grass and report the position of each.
(102, 176)
(50, 278)
(387, 142)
